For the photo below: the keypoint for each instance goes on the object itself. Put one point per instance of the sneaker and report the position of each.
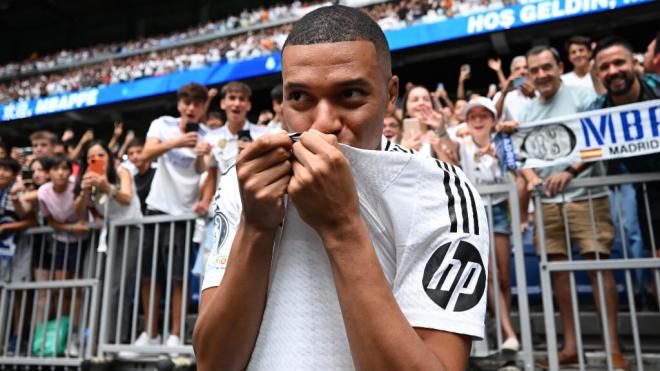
(72, 349)
(142, 341)
(173, 341)
(510, 345)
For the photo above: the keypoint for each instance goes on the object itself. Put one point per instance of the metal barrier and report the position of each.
(525, 354)
(51, 320)
(137, 248)
(603, 269)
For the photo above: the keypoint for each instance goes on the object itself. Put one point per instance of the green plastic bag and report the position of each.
(51, 338)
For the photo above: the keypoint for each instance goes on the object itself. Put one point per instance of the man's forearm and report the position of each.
(229, 320)
(152, 151)
(379, 335)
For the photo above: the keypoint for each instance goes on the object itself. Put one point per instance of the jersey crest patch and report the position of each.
(455, 283)
(221, 229)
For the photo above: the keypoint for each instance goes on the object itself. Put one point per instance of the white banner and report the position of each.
(617, 132)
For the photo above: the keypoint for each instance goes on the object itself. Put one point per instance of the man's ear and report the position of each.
(393, 93)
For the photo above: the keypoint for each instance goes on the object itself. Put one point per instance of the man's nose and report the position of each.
(327, 118)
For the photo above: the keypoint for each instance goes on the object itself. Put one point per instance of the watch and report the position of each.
(573, 171)
(440, 133)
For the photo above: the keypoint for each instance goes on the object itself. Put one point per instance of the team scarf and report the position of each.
(612, 133)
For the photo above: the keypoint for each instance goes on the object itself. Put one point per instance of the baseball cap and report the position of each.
(483, 102)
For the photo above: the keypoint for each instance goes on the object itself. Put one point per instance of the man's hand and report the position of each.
(187, 140)
(264, 171)
(507, 126)
(322, 186)
(495, 64)
(527, 88)
(87, 136)
(557, 183)
(202, 148)
(200, 208)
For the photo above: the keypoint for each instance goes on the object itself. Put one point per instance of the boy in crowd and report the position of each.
(178, 146)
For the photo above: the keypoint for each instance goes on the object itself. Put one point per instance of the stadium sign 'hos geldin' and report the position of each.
(617, 132)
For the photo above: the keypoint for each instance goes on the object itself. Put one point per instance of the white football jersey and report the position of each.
(428, 226)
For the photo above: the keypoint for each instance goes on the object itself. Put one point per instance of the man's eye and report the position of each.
(353, 93)
(296, 96)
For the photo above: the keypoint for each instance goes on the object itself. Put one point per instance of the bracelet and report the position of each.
(573, 171)
(440, 133)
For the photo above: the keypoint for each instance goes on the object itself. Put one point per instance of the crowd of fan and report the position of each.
(462, 131)
(249, 44)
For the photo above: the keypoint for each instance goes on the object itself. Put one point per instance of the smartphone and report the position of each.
(440, 86)
(26, 175)
(27, 151)
(191, 127)
(96, 165)
(244, 135)
(130, 133)
(518, 81)
(411, 127)
(466, 67)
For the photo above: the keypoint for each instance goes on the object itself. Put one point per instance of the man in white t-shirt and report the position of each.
(516, 93)
(177, 144)
(225, 142)
(380, 270)
(579, 53)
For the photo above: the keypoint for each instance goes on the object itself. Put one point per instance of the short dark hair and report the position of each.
(577, 40)
(536, 50)
(214, 115)
(57, 160)
(194, 92)
(235, 87)
(137, 142)
(338, 23)
(277, 93)
(11, 164)
(610, 41)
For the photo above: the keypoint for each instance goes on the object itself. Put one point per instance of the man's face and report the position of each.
(545, 73)
(616, 69)
(651, 61)
(135, 156)
(42, 148)
(190, 110)
(6, 176)
(519, 68)
(350, 99)
(549, 142)
(236, 106)
(579, 55)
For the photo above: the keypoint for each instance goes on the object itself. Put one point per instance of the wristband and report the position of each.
(573, 171)
(440, 133)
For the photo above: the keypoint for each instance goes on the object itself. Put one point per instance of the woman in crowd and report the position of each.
(109, 192)
(56, 204)
(392, 128)
(419, 104)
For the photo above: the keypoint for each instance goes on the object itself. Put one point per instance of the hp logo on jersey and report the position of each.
(455, 283)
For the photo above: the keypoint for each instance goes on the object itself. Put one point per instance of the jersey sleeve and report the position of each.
(156, 129)
(442, 263)
(226, 216)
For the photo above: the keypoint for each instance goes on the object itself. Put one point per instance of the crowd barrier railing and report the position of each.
(51, 319)
(601, 267)
(146, 256)
(488, 194)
